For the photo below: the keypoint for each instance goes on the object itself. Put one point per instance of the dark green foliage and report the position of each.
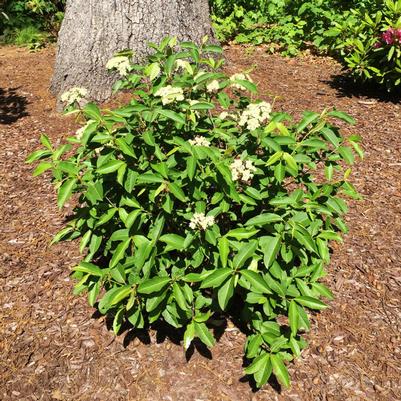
(288, 25)
(30, 22)
(172, 230)
(348, 30)
(369, 43)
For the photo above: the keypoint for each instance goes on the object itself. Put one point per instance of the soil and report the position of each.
(54, 347)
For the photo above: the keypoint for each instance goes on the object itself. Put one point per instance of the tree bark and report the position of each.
(94, 30)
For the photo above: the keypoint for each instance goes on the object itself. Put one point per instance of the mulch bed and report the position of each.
(53, 346)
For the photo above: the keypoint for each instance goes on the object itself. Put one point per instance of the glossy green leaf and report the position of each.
(153, 285)
(65, 192)
(225, 293)
(216, 278)
(257, 282)
(262, 219)
(280, 370)
(270, 247)
(311, 303)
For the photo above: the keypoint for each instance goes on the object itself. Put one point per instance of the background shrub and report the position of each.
(196, 201)
(30, 22)
(289, 25)
(370, 44)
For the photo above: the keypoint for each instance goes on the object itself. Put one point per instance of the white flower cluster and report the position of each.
(224, 115)
(199, 141)
(242, 170)
(170, 94)
(73, 95)
(183, 64)
(120, 63)
(81, 130)
(200, 220)
(240, 77)
(255, 114)
(213, 86)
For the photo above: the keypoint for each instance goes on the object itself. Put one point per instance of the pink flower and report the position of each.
(378, 45)
(387, 36)
(391, 36)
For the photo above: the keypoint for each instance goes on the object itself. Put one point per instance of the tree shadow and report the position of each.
(348, 87)
(12, 106)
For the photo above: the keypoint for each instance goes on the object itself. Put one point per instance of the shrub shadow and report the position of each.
(348, 87)
(12, 106)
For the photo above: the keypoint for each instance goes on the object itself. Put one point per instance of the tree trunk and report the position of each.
(94, 30)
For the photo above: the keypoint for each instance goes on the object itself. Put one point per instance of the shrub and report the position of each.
(30, 22)
(288, 26)
(370, 44)
(196, 201)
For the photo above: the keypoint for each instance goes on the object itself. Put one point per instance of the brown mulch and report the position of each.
(53, 347)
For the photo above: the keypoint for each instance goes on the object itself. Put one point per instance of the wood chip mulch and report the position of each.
(53, 346)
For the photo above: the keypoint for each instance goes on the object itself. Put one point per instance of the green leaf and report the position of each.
(189, 335)
(118, 320)
(225, 293)
(152, 70)
(270, 247)
(293, 317)
(172, 115)
(44, 140)
(92, 111)
(174, 241)
(153, 285)
(342, 116)
(330, 136)
(204, 334)
(308, 118)
(93, 293)
(252, 347)
(224, 250)
(177, 191)
(120, 294)
(191, 167)
(216, 278)
(90, 268)
(110, 167)
(295, 347)
(104, 218)
(149, 178)
(84, 241)
(311, 303)
(257, 364)
(262, 376)
(257, 282)
(37, 155)
(41, 168)
(262, 219)
(303, 318)
(202, 106)
(246, 251)
(65, 192)
(119, 253)
(179, 297)
(346, 154)
(322, 290)
(242, 233)
(124, 147)
(246, 84)
(280, 370)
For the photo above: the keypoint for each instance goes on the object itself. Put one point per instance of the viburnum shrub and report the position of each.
(197, 201)
(372, 48)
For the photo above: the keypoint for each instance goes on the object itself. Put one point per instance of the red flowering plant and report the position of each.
(372, 51)
(390, 37)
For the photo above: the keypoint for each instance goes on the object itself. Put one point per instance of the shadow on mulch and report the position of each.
(347, 87)
(12, 106)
